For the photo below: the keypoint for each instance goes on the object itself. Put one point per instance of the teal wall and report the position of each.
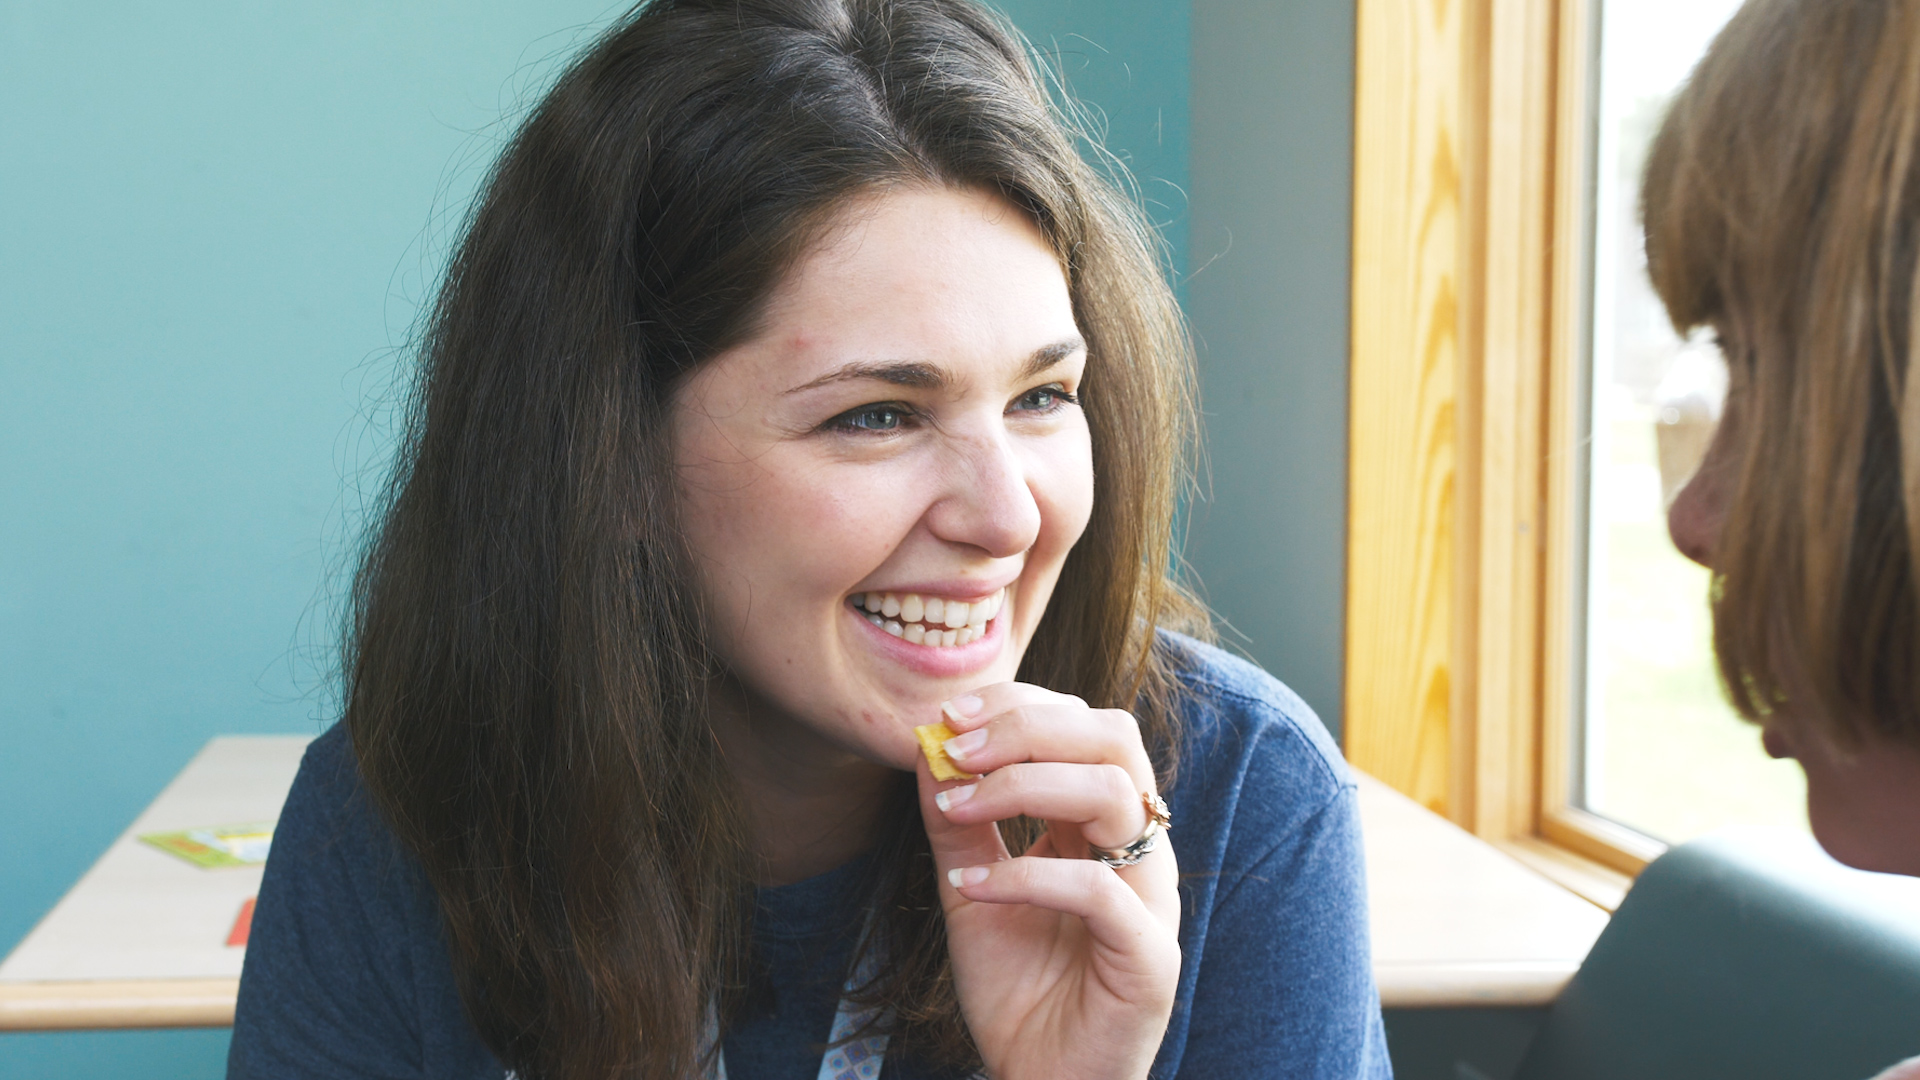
(217, 221)
(1272, 168)
(1127, 62)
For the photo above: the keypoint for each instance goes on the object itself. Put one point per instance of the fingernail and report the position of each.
(962, 707)
(960, 746)
(972, 875)
(952, 797)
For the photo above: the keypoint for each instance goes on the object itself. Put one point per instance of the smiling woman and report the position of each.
(962, 492)
(797, 385)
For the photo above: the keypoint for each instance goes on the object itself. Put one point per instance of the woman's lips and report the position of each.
(1774, 743)
(981, 648)
(929, 621)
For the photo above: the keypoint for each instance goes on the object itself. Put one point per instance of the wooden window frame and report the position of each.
(1465, 606)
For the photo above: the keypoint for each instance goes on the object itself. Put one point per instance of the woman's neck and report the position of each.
(811, 803)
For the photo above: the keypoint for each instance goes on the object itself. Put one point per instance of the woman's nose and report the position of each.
(1691, 525)
(988, 503)
(1699, 511)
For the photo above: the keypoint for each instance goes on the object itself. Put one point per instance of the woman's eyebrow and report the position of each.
(923, 376)
(911, 373)
(1047, 356)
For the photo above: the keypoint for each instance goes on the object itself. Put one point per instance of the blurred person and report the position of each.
(1782, 212)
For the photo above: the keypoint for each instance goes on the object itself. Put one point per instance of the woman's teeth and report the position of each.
(929, 620)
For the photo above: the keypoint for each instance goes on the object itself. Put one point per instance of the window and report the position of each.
(1659, 749)
(1525, 654)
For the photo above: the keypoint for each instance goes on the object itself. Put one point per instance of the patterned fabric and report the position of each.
(857, 1060)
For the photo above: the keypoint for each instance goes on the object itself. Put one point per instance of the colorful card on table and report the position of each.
(217, 846)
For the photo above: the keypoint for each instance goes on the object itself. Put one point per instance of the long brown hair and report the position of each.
(525, 660)
(1782, 209)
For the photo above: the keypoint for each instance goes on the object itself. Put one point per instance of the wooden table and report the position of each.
(140, 940)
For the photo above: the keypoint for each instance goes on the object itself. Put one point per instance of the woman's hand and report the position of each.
(1065, 967)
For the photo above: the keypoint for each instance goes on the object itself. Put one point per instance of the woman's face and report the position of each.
(1864, 807)
(881, 486)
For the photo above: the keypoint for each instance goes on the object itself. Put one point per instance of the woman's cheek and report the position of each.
(1065, 470)
(855, 516)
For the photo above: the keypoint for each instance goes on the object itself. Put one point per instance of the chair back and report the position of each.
(1749, 954)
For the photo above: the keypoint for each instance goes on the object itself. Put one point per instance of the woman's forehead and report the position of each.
(956, 282)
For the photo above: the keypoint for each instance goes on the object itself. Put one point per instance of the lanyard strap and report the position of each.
(857, 1059)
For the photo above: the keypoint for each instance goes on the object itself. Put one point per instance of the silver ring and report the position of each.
(1159, 820)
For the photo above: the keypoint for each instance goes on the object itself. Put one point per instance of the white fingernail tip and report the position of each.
(952, 797)
(967, 875)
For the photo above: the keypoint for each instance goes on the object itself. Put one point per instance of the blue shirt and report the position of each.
(347, 973)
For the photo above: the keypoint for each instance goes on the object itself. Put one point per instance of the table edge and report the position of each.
(125, 1003)
(179, 1003)
(1472, 984)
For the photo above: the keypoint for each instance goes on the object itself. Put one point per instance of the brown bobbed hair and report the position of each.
(525, 663)
(1782, 210)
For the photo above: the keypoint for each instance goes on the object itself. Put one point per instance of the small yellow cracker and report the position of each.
(931, 738)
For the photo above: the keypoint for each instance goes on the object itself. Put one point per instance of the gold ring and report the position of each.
(1159, 820)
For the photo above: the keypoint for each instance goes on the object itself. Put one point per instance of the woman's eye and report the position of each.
(1044, 399)
(870, 418)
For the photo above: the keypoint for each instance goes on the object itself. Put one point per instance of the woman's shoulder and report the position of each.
(328, 766)
(328, 805)
(1240, 721)
(346, 971)
(331, 839)
(1274, 924)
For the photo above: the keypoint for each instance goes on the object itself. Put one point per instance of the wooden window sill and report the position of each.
(1458, 922)
(1596, 882)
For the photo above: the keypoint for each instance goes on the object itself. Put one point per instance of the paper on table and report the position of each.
(217, 846)
(141, 913)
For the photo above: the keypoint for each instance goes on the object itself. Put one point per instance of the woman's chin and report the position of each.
(1865, 850)
(1864, 807)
